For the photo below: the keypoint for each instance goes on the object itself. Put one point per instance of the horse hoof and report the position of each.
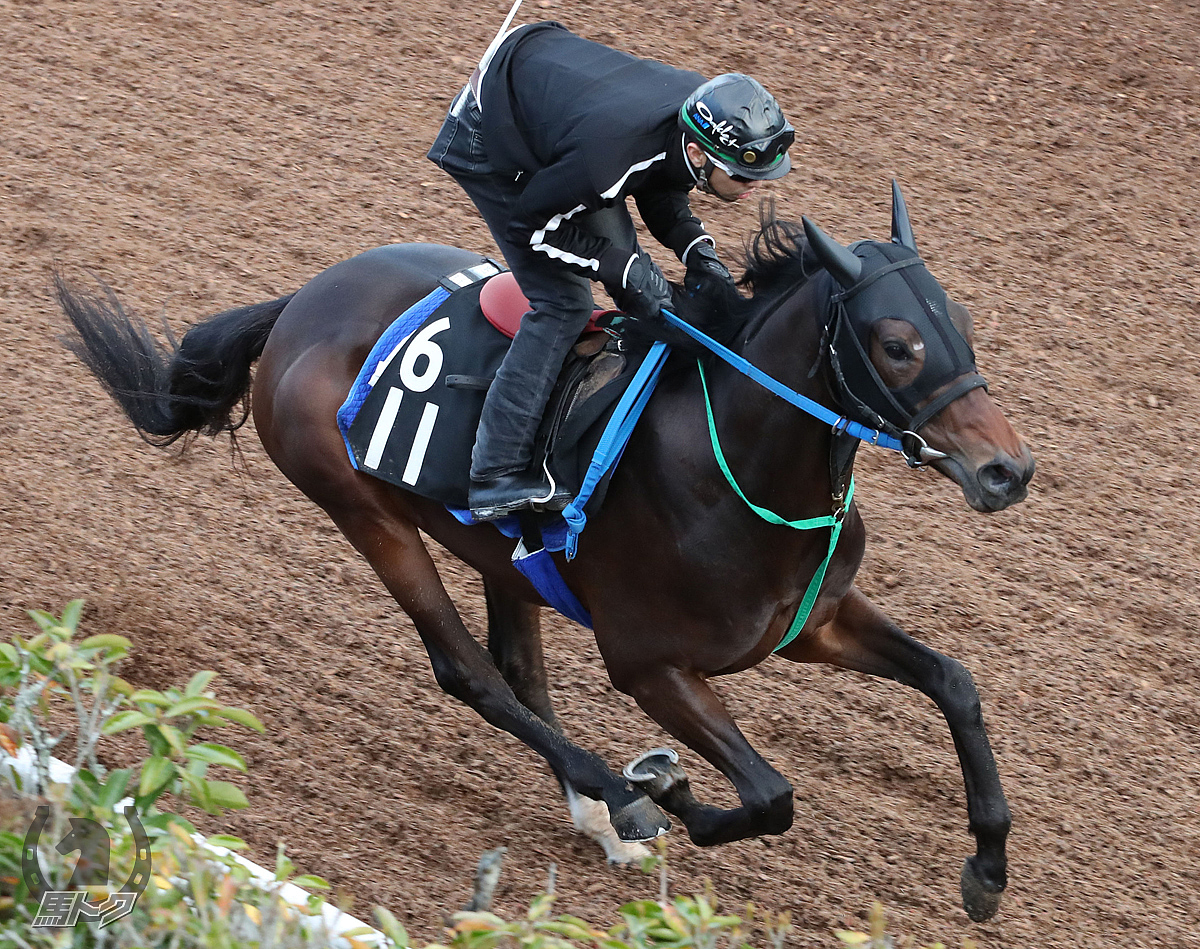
(591, 818)
(655, 772)
(621, 853)
(639, 820)
(979, 900)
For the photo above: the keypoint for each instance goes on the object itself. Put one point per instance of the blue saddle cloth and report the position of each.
(411, 415)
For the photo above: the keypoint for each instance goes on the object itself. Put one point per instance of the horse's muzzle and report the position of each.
(1000, 483)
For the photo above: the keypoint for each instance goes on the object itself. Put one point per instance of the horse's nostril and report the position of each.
(998, 477)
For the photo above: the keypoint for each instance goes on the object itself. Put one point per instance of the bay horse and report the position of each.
(684, 579)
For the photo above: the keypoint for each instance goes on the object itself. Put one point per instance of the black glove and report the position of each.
(645, 291)
(704, 264)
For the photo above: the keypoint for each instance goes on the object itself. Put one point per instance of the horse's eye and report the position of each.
(897, 350)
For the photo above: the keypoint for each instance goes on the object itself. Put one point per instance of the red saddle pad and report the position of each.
(504, 304)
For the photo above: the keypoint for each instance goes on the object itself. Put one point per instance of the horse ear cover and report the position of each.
(902, 232)
(838, 260)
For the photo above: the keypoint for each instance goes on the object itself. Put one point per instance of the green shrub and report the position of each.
(56, 686)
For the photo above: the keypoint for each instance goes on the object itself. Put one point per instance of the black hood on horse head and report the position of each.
(895, 284)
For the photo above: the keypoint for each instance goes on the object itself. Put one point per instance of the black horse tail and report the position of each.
(190, 387)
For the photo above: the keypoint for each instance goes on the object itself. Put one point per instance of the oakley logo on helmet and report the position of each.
(722, 131)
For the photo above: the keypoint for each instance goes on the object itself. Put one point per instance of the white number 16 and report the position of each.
(422, 345)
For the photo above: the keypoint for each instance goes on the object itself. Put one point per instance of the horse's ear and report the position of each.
(902, 232)
(838, 260)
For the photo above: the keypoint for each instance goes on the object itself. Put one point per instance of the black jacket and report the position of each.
(587, 126)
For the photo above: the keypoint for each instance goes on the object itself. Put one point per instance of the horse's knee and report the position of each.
(954, 690)
(456, 680)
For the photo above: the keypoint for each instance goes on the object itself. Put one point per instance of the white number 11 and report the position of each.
(422, 345)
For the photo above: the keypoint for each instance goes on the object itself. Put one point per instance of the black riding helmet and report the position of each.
(739, 126)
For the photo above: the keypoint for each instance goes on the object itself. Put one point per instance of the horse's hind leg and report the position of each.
(368, 516)
(862, 638)
(515, 642)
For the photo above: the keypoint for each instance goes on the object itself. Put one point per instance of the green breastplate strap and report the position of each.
(832, 521)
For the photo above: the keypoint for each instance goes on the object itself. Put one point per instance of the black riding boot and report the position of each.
(516, 491)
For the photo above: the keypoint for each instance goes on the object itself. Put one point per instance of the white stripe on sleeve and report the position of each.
(538, 240)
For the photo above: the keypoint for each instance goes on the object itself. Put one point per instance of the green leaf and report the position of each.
(241, 716)
(641, 909)
(9, 654)
(173, 737)
(156, 772)
(391, 927)
(119, 686)
(198, 683)
(83, 794)
(205, 719)
(76, 663)
(44, 620)
(194, 704)
(59, 651)
(198, 791)
(107, 641)
(34, 645)
(71, 614)
(151, 696)
(212, 753)
(114, 787)
(130, 718)
(162, 823)
(86, 777)
(224, 794)
(478, 921)
(155, 823)
(284, 867)
(158, 744)
(227, 841)
(310, 882)
(540, 906)
(565, 929)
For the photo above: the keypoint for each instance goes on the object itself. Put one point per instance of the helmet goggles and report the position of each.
(764, 155)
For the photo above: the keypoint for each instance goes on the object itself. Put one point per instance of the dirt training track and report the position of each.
(201, 156)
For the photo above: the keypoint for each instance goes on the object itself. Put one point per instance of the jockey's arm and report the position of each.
(544, 220)
(668, 215)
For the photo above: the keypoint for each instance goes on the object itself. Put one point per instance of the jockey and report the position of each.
(548, 138)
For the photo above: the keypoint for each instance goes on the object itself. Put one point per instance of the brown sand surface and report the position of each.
(201, 156)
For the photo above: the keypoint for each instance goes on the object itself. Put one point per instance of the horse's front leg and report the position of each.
(862, 638)
(683, 704)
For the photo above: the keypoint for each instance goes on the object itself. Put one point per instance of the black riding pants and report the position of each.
(560, 300)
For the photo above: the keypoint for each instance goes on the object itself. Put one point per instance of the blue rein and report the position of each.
(839, 423)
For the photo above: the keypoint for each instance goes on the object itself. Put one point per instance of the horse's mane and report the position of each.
(778, 254)
(776, 258)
